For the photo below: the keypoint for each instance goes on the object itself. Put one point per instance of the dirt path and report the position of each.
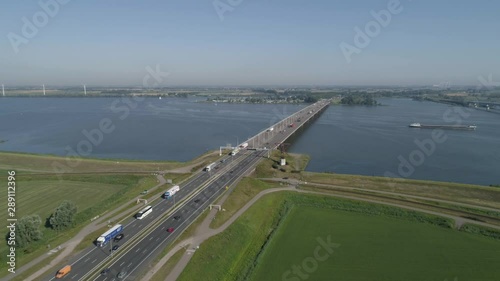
(203, 232)
(296, 182)
(69, 246)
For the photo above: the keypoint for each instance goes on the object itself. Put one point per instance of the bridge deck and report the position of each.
(287, 127)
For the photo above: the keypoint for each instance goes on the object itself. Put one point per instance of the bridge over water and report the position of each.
(278, 133)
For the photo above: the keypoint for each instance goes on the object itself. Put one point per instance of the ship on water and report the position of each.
(449, 127)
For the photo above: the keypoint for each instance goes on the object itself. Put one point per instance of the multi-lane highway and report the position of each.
(145, 238)
(93, 256)
(132, 261)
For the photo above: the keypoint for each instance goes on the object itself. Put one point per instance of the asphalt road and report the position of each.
(92, 256)
(133, 261)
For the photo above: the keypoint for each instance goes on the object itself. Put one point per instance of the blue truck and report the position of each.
(108, 235)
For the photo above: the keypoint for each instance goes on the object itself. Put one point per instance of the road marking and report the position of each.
(121, 264)
(137, 250)
(144, 251)
(157, 238)
(86, 260)
(74, 276)
(94, 260)
(150, 238)
(208, 195)
(129, 264)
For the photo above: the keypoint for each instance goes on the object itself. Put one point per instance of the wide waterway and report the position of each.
(345, 139)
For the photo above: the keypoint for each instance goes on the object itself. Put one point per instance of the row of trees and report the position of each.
(28, 227)
(359, 100)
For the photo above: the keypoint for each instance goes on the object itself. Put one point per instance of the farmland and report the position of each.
(374, 248)
(374, 242)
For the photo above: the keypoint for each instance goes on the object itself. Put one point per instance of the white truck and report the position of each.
(235, 151)
(210, 167)
(108, 235)
(169, 193)
(244, 145)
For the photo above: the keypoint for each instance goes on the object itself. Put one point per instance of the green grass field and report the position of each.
(225, 256)
(52, 193)
(41, 194)
(375, 248)
(246, 189)
(92, 194)
(375, 243)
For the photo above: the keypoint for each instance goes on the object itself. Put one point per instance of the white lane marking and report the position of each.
(94, 260)
(137, 250)
(121, 264)
(129, 264)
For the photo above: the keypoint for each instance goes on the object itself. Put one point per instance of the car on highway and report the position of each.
(170, 229)
(177, 218)
(105, 271)
(115, 247)
(119, 237)
(121, 275)
(197, 201)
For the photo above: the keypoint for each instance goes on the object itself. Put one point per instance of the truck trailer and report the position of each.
(108, 235)
(169, 193)
(244, 145)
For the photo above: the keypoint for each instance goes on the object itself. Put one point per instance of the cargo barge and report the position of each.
(448, 127)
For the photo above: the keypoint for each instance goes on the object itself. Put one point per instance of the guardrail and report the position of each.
(94, 273)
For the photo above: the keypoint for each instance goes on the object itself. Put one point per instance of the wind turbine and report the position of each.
(3, 90)
(85, 89)
(43, 89)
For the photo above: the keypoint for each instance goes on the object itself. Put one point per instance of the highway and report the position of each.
(93, 256)
(145, 238)
(143, 252)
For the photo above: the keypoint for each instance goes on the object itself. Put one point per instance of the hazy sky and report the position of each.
(257, 42)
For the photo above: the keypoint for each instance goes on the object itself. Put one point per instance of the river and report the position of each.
(345, 139)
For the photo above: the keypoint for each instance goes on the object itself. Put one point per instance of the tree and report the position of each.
(28, 230)
(63, 216)
(310, 99)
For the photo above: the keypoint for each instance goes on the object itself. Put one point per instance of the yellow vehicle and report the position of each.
(63, 271)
